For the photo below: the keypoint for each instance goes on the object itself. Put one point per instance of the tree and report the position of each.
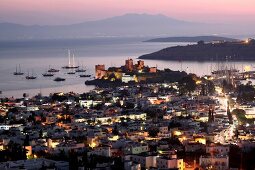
(109, 121)
(246, 93)
(115, 131)
(89, 121)
(207, 87)
(153, 132)
(201, 42)
(41, 133)
(187, 85)
(99, 122)
(227, 87)
(240, 115)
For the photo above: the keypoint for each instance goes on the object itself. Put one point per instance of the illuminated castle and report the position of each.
(116, 73)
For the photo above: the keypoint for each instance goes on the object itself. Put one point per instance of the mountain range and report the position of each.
(128, 25)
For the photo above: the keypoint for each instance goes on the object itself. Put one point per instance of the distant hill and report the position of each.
(191, 39)
(234, 51)
(142, 25)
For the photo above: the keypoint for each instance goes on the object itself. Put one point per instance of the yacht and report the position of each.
(48, 74)
(30, 77)
(18, 72)
(85, 75)
(59, 79)
(71, 65)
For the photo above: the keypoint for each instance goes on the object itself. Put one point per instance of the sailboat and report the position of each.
(80, 70)
(18, 73)
(71, 65)
(28, 77)
(48, 74)
(71, 72)
(52, 70)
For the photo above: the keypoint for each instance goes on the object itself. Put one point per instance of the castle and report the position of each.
(126, 73)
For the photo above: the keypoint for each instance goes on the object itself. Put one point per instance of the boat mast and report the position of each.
(73, 61)
(69, 60)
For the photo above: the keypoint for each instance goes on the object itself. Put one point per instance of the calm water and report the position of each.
(36, 57)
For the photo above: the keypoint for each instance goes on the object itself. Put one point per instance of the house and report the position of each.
(170, 162)
(219, 162)
(146, 161)
(215, 148)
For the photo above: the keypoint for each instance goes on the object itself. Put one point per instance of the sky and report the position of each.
(55, 12)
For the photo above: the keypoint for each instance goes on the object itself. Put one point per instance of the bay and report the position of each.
(36, 56)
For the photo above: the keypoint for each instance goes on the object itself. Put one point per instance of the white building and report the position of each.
(217, 149)
(129, 165)
(219, 162)
(89, 103)
(146, 161)
(127, 78)
(101, 151)
(170, 162)
(136, 148)
(32, 164)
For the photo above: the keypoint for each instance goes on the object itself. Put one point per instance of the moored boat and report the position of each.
(85, 75)
(30, 77)
(59, 79)
(18, 72)
(71, 65)
(71, 72)
(52, 70)
(80, 70)
(48, 75)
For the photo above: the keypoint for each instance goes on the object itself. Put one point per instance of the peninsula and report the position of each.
(131, 73)
(191, 39)
(213, 51)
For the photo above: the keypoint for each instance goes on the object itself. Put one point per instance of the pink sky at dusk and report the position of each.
(73, 11)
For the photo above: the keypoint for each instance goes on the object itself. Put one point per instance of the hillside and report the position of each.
(234, 51)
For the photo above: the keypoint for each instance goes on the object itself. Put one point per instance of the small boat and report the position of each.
(80, 70)
(48, 75)
(71, 72)
(18, 73)
(52, 70)
(59, 79)
(85, 75)
(32, 77)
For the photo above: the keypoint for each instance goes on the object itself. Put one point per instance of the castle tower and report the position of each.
(129, 65)
(100, 71)
(140, 64)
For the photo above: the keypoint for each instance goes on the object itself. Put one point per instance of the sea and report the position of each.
(35, 57)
